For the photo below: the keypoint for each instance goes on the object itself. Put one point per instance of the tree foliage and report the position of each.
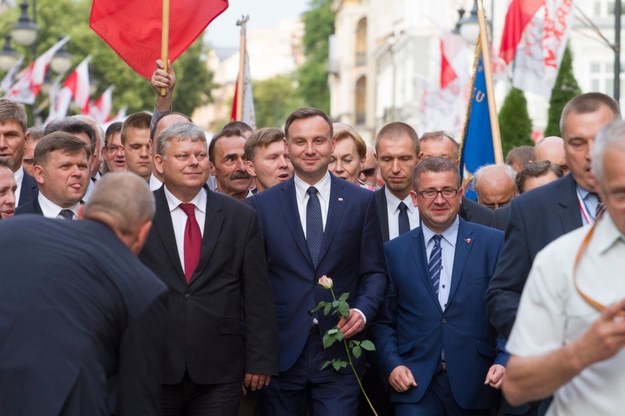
(57, 18)
(274, 100)
(313, 73)
(514, 121)
(565, 89)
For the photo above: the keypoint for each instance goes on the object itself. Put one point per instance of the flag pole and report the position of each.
(492, 109)
(242, 51)
(165, 40)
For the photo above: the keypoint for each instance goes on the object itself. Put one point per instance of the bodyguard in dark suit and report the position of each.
(541, 216)
(81, 322)
(221, 322)
(434, 343)
(315, 225)
(440, 144)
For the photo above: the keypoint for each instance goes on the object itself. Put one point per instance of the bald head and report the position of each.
(551, 148)
(495, 185)
(123, 201)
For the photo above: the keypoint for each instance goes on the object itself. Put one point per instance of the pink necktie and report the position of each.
(192, 241)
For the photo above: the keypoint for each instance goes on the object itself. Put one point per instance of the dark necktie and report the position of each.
(192, 241)
(402, 219)
(67, 214)
(600, 208)
(314, 225)
(436, 262)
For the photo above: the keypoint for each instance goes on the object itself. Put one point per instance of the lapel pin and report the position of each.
(340, 199)
(468, 240)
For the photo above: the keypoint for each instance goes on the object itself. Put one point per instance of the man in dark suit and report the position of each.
(80, 322)
(13, 138)
(441, 144)
(435, 345)
(541, 216)
(221, 321)
(313, 225)
(61, 168)
(397, 147)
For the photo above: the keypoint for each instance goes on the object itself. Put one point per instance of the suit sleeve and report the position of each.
(374, 276)
(141, 353)
(261, 327)
(504, 290)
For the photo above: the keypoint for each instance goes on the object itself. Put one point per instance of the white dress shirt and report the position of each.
(179, 217)
(19, 177)
(323, 193)
(154, 183)
(52, 210)
(392, 209)
(448, 252)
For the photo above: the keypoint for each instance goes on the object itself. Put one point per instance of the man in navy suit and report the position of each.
(81, 321)
(434, 343)
(207, 248)
(13, 136)
(313, 225)
(541, 216)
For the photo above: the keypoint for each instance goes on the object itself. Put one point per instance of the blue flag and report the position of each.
(477, 146)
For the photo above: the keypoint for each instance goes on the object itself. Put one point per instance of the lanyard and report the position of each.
(578, 257)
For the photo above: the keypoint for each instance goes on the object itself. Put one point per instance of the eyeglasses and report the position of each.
(433, 193)
(114, 148)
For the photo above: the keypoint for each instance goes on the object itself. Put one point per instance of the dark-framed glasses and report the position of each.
(433, 193)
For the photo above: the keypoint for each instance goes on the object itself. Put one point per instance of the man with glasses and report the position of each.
(575, 291)
(113, 152)
(435, 346)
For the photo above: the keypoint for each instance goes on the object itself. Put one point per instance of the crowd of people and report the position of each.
(175, 275)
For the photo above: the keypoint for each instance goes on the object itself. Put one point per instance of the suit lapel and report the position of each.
(212, 228)
(165, 230)
(420, 257)
(290, 213)
(336, 208)
(380, 200)
(464, 244)
(568, 205)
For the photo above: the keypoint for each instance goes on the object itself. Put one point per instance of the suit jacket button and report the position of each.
(187, 296)
(444, 320)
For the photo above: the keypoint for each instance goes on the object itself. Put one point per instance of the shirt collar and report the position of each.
(392, 201)
(323, 187)
(606, 234)
(52, 210)
(19, 176)
(450, 234)
(199, 200)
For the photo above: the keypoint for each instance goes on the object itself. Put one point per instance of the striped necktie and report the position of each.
(436, 262)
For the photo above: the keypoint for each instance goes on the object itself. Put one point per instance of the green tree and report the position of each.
(565, 88)
(312, 75)
(514, 121)
(274, 100)
(71, 18)
(194, 82)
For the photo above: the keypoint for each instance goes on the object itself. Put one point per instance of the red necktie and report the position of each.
(192, 241)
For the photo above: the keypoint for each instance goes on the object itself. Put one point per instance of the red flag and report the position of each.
(235, 102)
(519, 15)
(78, 83)
(133, 27)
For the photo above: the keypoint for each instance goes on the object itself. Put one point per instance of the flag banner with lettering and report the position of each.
(520, 13)
(540, 51)
(477, 144)
(132, 28)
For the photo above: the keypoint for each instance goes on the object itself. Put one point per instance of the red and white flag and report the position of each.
(60, 99)
(520, 13)
(100, 110)
(454, 59)
(120, 116)
(132, 28)
(539, 54)
(28, 85)
(248, 115)
(78, 83)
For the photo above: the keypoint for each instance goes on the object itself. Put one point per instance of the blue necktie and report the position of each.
(436, 262)
(402, 219)
(314, 225)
